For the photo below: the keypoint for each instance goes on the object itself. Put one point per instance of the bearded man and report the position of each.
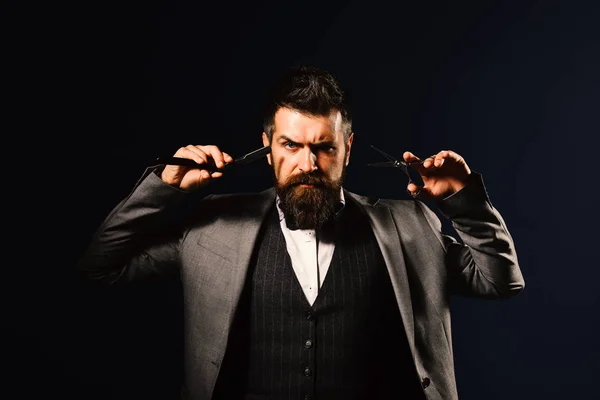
(307, 290)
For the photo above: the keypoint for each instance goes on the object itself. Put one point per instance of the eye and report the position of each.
(327, 148)
(290, 145)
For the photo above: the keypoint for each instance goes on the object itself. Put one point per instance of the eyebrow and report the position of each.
(323, 143)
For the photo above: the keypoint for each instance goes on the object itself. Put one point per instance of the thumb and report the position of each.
(417, 192)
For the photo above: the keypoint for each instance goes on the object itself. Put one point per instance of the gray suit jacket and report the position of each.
(210, 247)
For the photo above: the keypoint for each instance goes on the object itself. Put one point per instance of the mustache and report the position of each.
(310, 178)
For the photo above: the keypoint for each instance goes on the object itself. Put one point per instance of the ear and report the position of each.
(265, 140)
(349, 147)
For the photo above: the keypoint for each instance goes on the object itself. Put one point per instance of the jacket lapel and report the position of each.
(230, 242)
(387, 235)
(246, 234)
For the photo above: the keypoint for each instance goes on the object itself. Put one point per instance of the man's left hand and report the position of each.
(443, 174)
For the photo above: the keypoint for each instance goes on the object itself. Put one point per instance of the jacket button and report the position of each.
(308, 344)
(310, 316)
(307, 372)
(425, 382)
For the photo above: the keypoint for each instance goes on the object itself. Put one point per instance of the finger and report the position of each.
(410, 157)
(418, 192)
(205, 174)
(414, 161)
(193, 153)
(429, 162)
(215, 153)
(455, 159)
(413, 189)
(437, 160)
(447, 154)
(227, 157)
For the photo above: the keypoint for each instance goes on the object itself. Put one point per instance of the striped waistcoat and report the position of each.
(349, 345)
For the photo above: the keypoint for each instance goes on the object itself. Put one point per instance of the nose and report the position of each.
(308, 161)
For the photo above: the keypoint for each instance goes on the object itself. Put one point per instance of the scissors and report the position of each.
(245, 159)
(392, 162)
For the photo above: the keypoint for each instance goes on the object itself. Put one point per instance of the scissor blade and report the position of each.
(245, 159)
(384, 154)
(383, 164)
(254, 155)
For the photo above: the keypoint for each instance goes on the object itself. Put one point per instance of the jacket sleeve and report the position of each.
(139, 239)
(485, 264)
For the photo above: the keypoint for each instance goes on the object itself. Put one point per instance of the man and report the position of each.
(307, 290)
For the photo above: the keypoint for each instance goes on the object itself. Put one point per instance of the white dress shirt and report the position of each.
(309, 262)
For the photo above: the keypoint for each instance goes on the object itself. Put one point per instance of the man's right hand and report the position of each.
(190, 178)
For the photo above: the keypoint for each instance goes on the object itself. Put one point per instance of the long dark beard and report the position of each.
(309, 207)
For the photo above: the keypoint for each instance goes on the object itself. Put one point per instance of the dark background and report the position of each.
(100, 89)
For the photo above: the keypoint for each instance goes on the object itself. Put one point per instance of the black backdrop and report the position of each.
(102, 89)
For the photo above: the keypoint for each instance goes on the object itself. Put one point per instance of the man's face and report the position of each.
(309, 156)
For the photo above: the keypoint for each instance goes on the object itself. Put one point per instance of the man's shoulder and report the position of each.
(241, 196)
(406, 210)
(239, 201)
(375, 201)
(230, 207)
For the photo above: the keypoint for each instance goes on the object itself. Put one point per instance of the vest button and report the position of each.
(310, 316)
(307, 372)
(425, 382)
(308, 344)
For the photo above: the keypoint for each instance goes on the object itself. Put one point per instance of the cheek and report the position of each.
(333, 167)
(281, 166)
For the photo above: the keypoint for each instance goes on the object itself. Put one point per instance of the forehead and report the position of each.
(298, 126)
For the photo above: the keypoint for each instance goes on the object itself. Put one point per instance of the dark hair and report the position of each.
(309, 90)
